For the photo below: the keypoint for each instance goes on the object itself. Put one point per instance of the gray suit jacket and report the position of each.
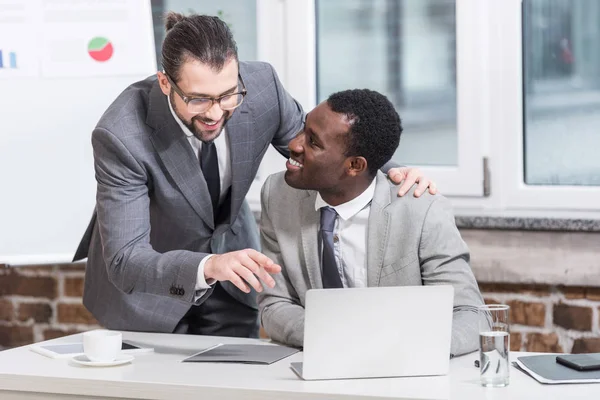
(153, 221)
(410, 241)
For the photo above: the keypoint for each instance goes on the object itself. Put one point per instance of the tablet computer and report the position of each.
(68, 350)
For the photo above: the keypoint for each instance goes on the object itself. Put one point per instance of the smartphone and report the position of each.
(580, 362)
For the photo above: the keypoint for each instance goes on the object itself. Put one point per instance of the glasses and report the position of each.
(199, 105)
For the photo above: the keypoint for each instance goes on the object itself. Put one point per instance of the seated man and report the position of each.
(333, 220)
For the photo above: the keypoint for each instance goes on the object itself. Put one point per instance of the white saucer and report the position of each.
(120, 360)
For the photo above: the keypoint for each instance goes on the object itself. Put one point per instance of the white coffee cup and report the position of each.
(102, 345)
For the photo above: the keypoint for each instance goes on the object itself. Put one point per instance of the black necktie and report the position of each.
(331, 275)
(210, 169)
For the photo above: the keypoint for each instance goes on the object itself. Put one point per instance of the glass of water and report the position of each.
(494, 344)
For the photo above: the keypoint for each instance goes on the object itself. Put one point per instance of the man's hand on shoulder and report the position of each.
(241, 268)
(411, 176)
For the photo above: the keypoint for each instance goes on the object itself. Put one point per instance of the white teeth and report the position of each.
(209, 124)
(295, 163)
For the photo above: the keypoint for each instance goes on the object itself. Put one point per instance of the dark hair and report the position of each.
(375, 126)
(198, 37)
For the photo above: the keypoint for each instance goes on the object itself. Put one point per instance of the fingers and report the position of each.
(249, 277)
(258, 258)
(432, 187)
(238, 282)
(396, 175)
(421, 187)
(262, 271)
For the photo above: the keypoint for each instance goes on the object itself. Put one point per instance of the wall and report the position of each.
(541, 275)
(40, 303)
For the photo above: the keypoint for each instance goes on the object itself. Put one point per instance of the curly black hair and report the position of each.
(375, 127)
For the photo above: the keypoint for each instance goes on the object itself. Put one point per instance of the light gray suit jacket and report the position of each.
(410, 241)
(153, 222)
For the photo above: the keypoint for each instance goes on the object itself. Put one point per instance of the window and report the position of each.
(561, 41)
(405, 50)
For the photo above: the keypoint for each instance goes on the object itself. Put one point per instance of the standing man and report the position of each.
(333, 221)
(171, 244)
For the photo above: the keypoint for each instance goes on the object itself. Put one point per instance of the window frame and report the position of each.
(489, 102)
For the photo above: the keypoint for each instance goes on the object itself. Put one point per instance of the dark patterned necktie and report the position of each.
(331, 275)
(210, 169)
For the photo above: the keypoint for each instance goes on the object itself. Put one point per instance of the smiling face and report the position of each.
(200, 80)
(318, 160)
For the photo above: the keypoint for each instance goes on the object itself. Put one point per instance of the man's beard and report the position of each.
(198, 133)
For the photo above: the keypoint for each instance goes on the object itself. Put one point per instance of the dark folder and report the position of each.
(243, 353)
(545, 369)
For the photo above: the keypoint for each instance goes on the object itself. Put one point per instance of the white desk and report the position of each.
(160, 375)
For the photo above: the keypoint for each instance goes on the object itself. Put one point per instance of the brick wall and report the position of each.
(548, 318)
(41, 302)
(44, 302)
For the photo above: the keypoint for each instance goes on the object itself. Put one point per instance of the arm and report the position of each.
(291, 118)
(123, 205)
(444, 258)
(282, 314)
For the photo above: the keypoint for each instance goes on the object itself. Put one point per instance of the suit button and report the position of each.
(173, 290)
(181, 291)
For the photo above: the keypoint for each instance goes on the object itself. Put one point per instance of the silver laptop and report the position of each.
(376, 332)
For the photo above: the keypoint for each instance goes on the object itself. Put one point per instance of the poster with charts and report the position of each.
(18, 46)
(84, 38)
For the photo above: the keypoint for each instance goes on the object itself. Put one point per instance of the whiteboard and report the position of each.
(63, 63)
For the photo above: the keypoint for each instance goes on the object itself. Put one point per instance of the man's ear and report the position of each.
(165, 86)
(357, 166)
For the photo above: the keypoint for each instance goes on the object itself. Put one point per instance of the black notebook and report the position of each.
(545, 369)
(243, 353)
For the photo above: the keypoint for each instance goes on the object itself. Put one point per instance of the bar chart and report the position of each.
(8, 59)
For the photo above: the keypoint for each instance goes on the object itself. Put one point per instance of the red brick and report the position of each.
(573, 292)
(56, 333)
(75, 314)
(12, 336)
(586, 345)
(543, 343)
(72, 267)
(534, 289)
(39, 312)
(524, 313)
(35, 269)
(573, 317)
(73, 287)
(13, 283)
(7, 310)
(593, 294)
(489, 300)
(516, 340)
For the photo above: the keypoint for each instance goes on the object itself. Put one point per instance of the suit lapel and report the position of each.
(177, 155)
(377, 230)
(309, 222)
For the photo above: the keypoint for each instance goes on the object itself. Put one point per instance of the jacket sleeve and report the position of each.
(123, 217)
(291, 118)
(281, 313)
(444, 258)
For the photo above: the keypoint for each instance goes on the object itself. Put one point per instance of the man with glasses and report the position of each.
(172, 243)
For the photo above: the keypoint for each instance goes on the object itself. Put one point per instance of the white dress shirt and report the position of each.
(350, 237)
(224, 159)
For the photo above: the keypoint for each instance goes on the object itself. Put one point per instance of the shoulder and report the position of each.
(277, 192)
(131, 106)
(256, 70)
(415, 207)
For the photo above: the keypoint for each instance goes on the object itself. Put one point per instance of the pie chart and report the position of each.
(100, 49)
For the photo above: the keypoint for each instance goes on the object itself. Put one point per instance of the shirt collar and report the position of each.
(184, 128)
(350, 208)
